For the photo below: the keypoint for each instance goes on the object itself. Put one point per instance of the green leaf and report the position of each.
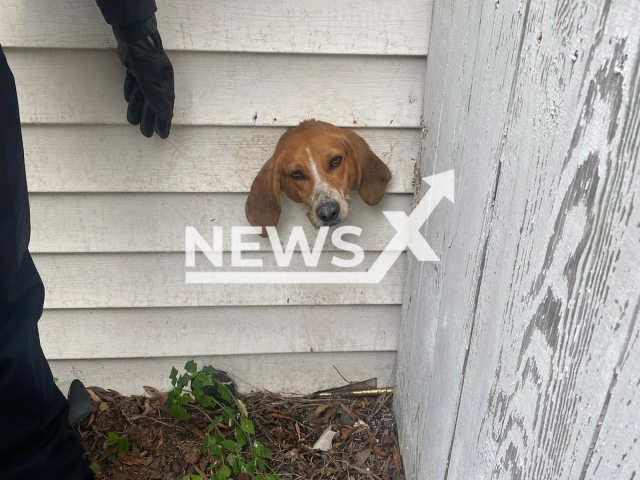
(95, 466)
(225, 393)
(261, 465)
(240, 436)
(183, 381)
(216, 421)
(247, 426)
(196, 477)
(271, 476)
(191, 366)
(206, 401)
(112, 438)
(232, 460)
(224, 473)
(260, 451)
(123, 445)
(229, 414)
(242, 408)
(173, 376)
(179, 412)
(230, 446)
(266, 453)
(209, 370)
(203, 379)
(245, 467)
(198, 393)
(182, 399)
(213, 446)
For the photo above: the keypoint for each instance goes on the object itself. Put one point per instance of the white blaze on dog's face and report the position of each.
(328, 204)
(316, 164)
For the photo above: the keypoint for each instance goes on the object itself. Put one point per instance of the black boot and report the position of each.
(79, 405)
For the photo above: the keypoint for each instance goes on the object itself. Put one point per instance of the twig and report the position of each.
(336, 369)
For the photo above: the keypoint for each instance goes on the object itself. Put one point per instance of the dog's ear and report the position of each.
(263, 205)
(372, 174)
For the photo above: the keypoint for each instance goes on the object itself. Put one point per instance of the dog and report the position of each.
(316, 163)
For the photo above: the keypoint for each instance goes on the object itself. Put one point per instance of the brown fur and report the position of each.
(315, 142)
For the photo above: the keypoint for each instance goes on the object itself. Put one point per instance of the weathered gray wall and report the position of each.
(520, 352)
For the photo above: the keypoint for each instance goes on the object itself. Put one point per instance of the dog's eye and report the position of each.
(335, 161)
(297, 175)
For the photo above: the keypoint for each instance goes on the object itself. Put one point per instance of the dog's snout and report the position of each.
(328, 212)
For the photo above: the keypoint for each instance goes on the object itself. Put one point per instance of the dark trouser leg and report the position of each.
(36, 440)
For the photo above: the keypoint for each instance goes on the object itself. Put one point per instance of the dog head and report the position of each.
(316, 163)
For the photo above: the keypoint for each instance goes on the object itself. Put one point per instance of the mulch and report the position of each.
(161, 447)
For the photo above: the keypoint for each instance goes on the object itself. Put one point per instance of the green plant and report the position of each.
(237, 452)
(121, 443)
(95, 466)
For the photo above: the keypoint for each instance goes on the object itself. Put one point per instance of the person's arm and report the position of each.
(148, 85)
(124, 12)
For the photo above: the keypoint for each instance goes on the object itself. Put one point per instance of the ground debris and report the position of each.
(365, 447)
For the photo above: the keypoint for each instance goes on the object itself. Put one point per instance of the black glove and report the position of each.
(148, 86)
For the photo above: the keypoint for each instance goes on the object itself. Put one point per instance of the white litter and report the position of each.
(325, 441)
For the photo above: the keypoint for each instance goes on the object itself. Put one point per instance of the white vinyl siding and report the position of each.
(109, 207)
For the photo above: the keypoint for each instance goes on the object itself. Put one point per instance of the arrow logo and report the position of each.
(442, 186)
(407, 236)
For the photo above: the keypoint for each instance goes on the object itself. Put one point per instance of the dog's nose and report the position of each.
(328, 212)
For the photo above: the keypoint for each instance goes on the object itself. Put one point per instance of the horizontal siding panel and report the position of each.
(303, 26)
(287, 373)
(114, 158)
(132, 332)
(67, 86)
(158, 280)
(156, 222)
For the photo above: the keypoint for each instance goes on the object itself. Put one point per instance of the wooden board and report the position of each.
(59, 86)
(289, 373)
(100, 158)
(175, 332)
(614, 448)
(307, 26)
(516, 350)
(156, 222)
(158, 280)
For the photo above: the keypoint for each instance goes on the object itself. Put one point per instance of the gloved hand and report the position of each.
(148, 85)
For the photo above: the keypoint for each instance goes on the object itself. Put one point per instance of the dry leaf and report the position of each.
(396, 458)
(375, 448)
(242, 408)
(292, 454)
(319, 410)
(361, 424)
(201, 472)
(362, 457)
(128, 459)
(197, 432)
(147, 407)
(155, 393)
(103, 406)
(279, 415)
(93, 395)
(349, 412)
(346, 432)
